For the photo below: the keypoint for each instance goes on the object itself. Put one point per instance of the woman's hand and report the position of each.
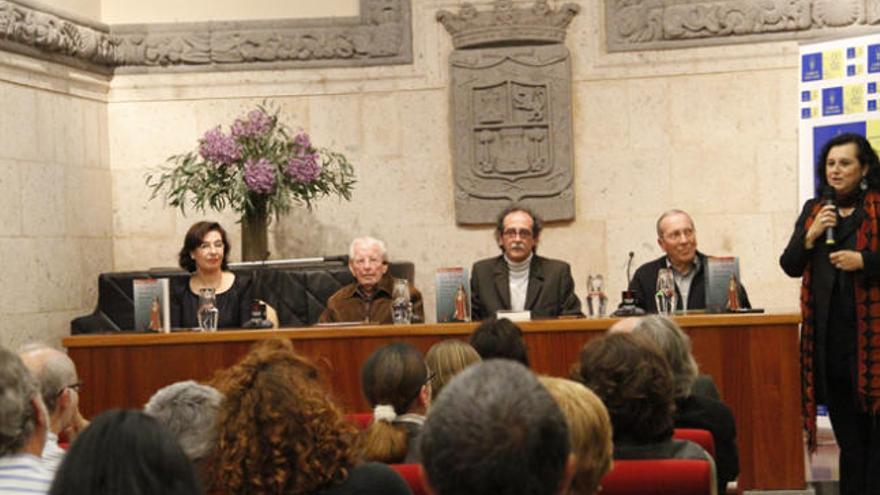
(848, 261)
(827, 217)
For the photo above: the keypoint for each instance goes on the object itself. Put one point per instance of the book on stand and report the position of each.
(453, 294)
(152, 305)
(722, 284)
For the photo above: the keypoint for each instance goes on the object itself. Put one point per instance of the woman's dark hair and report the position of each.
(631, 376)
(500, 339)
(125, 451)
(864, 152)
(392, 376)
(193, 240)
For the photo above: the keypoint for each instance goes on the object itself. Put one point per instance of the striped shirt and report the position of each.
(23, 474)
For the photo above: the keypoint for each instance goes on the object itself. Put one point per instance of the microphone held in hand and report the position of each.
(828, 199)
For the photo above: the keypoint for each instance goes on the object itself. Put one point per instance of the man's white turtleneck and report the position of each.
(519, 281)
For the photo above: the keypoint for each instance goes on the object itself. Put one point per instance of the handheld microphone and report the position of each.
(828, 199)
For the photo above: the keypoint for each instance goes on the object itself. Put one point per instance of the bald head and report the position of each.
(625, 325)
(55, 373)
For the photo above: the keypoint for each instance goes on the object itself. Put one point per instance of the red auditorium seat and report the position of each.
(659, 477)
(413, 476)
(703, 438)
(361, 420)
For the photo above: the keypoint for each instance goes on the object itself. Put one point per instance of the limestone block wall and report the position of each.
(709, 130)
(56, 198)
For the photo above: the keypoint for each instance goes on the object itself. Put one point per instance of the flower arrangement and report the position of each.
(258, 169)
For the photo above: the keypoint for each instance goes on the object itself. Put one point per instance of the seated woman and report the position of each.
(693, 410)
(633, 379)
(279, 432)
(396, 383)
(445, 359)
(589, 429)
(125, 451)
(204, 254)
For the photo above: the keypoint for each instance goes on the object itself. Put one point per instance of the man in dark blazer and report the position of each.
(519, 279)
(677, 236)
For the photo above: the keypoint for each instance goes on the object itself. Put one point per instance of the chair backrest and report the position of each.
(703, 438)
(361, 420)
(659, 477)
(413, 476)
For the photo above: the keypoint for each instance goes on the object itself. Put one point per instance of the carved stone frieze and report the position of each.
(380, 35)
(650, 24)
(511, 111)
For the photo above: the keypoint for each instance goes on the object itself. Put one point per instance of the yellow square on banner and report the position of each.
(854, 98)
(833, 64)
(860, 51)
(872, 129)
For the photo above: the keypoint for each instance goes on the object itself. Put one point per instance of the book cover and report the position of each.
(453, 294)
(152, 310)
(722, 283)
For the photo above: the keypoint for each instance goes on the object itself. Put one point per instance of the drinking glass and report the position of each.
(596, 298)
(665, 296)
(208, 313)
(401, 306)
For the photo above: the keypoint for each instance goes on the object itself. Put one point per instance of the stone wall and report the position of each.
(56, 198)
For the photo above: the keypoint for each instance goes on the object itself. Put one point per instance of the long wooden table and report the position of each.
(753, 358)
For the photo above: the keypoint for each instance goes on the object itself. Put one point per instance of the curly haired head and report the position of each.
(278, 432)
(631, 376)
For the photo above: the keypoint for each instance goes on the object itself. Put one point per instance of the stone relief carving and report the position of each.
(380, 35)
(511, 110)
(650, 24)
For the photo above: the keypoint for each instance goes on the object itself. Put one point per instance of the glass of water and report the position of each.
(665, 296)
(401, 306)
(208, 313)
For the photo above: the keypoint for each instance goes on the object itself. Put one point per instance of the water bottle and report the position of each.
(401, 306)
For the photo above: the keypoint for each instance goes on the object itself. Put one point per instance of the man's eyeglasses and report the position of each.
(76, 386)
(522, 233)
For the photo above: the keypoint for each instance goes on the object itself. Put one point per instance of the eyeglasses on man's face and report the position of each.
(521, 233)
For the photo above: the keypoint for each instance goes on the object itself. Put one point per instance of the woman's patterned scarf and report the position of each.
(867, 320)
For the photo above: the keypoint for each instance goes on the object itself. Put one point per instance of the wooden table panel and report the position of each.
(753, 358)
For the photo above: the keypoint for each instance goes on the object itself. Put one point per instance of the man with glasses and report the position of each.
(519, 279)
(677, 237)
(59, 385)
(368, 300)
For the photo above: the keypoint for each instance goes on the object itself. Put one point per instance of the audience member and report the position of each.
(397, 385)
(677, 237)
(280, 433)
(692, 410)
(59, 386)
(125, 451)
(189, 411)
(496, 430)
(589, 429)
(500, 339)
(368, 299)
(205, 254)
(633, 379)
(24, 422)
(446, 359)
(519, 279)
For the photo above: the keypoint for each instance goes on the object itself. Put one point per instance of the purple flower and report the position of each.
(303, 167)
(219, 148)
(302, 142)
(259, 176)
(256, 124)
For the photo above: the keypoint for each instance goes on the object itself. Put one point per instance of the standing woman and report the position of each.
(840, 302)
(204, 254)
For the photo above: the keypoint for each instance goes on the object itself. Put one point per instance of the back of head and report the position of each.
(189, 411)
(17, 388)
(589, 428)
(446, 359)
(500, 339)
(125, 451)
(392, 377)
(631, 376)
(278, 432)
(52, 369)
(676, 347)
(495, 429)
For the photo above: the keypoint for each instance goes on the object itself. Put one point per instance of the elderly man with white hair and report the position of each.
(59, 385)
(368, 299)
